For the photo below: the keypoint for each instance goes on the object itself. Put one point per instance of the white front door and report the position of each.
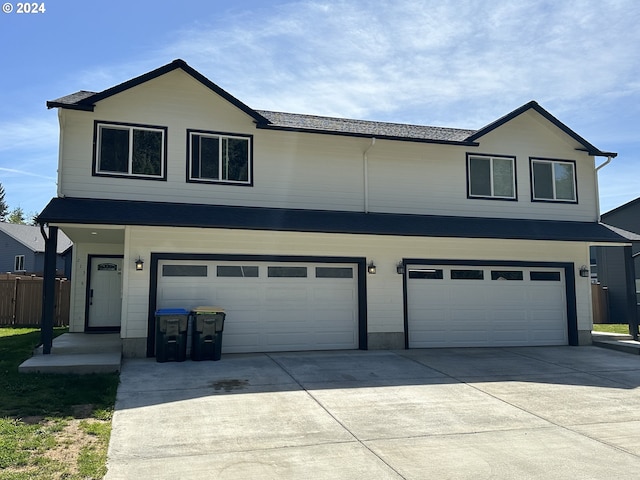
(105, 293)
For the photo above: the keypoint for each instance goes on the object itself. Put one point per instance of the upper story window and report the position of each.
(553, 180)
(491, 177)
(130, 150)
(219, 158)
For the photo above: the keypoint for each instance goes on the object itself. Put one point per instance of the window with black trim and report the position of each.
(334, 272)
(544, 276)
(130, 150)
(287, 272)
(506, 275)
(184, 270)
(426, 273)
(244, 271)
(219, 158)
(467, 275)
(553, 180)
(18, 264)
(491, 177)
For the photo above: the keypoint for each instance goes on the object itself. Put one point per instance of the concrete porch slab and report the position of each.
(78, 353)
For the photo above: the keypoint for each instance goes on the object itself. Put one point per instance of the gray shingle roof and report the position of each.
(294, 121)
(31, 237)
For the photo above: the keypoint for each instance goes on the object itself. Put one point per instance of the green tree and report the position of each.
(17, 216)
(4, 208)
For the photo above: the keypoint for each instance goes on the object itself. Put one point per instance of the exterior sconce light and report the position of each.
(139, 264)
(400, 268)
(584, 271)
(371, 268)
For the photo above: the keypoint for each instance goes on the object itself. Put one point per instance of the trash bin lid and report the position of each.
(208, 310)
(172, 311)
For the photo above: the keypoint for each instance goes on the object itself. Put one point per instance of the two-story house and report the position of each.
(22, 250)
(318, 233)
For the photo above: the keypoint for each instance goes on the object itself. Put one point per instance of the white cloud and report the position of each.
(378, 59)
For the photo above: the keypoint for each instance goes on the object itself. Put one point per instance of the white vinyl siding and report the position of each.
(312, 171)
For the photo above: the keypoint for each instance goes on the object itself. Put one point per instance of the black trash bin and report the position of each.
(208, 324)
(171, 334)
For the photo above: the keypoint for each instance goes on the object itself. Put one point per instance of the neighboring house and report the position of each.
(611, 262)
(22, 250)
(322, 233)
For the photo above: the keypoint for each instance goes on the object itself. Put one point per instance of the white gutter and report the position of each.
(365, 172)
(607, 162)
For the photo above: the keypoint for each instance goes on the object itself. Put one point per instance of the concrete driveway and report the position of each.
(525, 413)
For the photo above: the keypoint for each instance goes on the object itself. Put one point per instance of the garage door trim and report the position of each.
(157, 257)
(569, 276)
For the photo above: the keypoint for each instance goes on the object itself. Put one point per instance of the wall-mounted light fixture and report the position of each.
(584, 271)
(371, 268)
(139, 264)
(400, 268)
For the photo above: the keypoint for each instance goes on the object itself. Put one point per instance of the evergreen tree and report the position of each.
(17, 216)
(4, 208)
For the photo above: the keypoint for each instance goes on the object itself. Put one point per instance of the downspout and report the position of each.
(365, 168)
(607, 162)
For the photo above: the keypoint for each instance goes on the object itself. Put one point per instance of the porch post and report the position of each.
(48, 288)
(630, 275)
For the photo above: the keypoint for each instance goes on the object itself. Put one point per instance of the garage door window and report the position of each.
(426, 274)
(506, 275)
(545, 276)
(334, 272)
(467, 275)
(184, 270)
(287, 272)
(241, 271)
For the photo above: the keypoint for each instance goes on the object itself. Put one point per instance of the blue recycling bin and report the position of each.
(171, 334)
(208, 324)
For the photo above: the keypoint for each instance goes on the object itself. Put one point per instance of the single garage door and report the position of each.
(467, 306)
(270, 306)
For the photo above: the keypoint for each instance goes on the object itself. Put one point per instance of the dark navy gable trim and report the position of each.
(588, 147)
(88, 103)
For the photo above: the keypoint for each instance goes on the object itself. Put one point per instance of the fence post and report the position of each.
(15, 301)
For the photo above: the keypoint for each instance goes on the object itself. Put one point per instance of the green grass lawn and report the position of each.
(51, 426)
(611, 327)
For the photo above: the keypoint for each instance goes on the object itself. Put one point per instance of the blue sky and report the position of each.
(435, 62)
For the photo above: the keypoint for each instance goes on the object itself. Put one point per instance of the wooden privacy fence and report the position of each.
(21, 300)
(600, 303)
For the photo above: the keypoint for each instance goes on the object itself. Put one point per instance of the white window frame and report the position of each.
(555, 198)
(130, 128)
(193, 134)
(18, 264)
(491, 159)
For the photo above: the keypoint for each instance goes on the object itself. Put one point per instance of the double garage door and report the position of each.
(270, 306)
(289, 306)
(468, 306)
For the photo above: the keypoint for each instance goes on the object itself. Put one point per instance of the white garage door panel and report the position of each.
(446, 312)
(271, 313)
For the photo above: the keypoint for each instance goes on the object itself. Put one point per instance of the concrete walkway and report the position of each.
(525, 413)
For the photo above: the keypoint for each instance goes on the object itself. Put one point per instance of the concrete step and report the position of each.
(616, 341)
(78, 353)
(78, 363)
